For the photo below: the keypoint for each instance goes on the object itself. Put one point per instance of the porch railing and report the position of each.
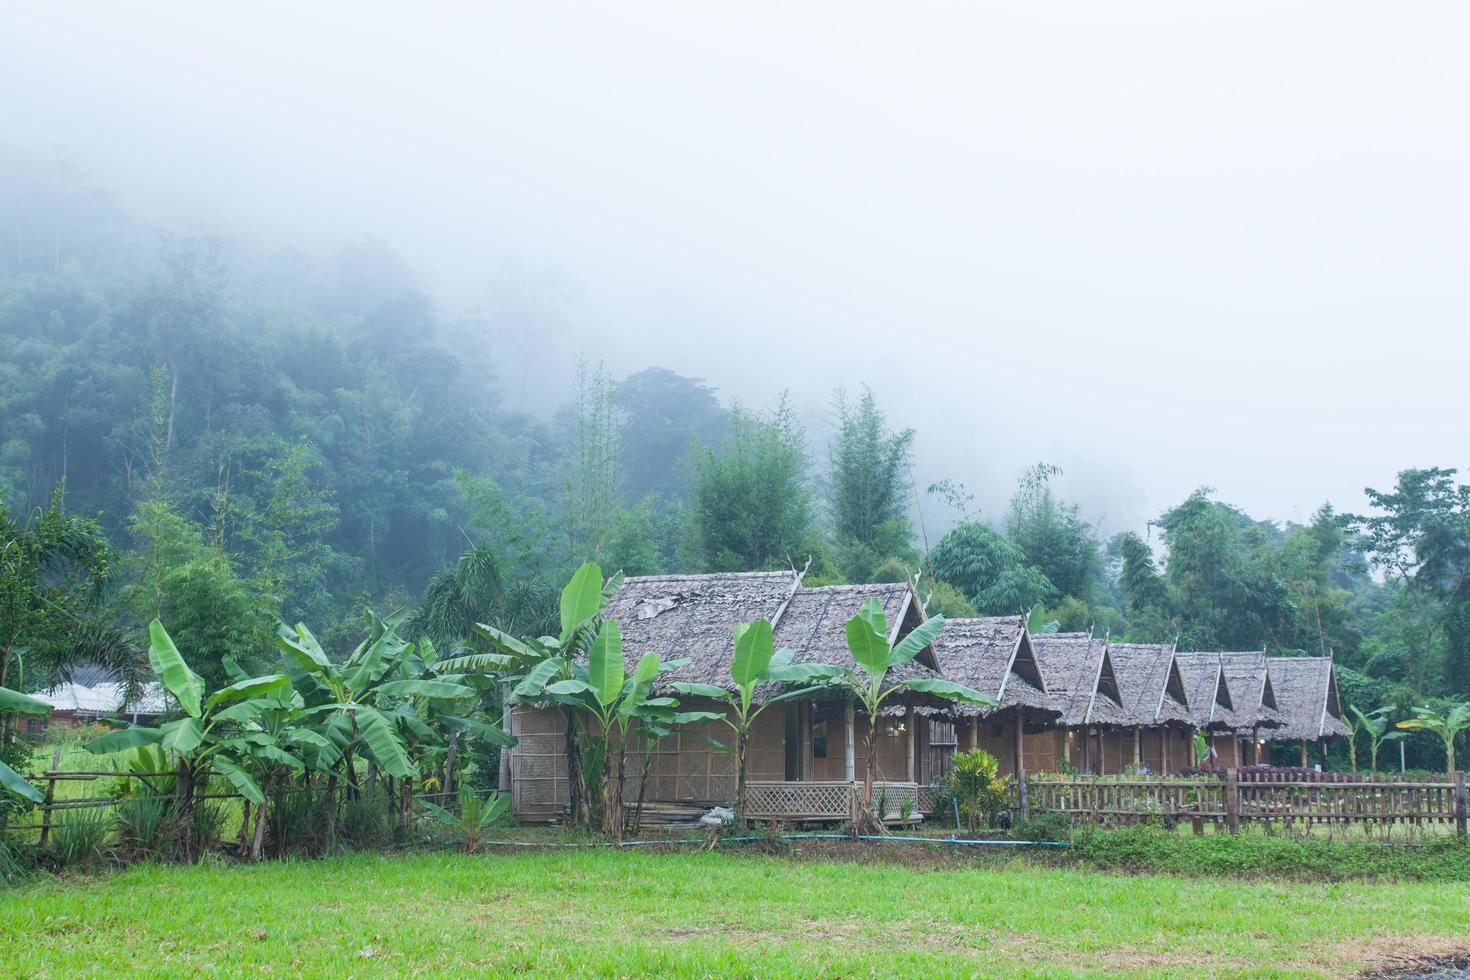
(832, 800)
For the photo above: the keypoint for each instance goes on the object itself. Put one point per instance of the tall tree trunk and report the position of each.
(576, 782)
(184, 807)
(173, 405)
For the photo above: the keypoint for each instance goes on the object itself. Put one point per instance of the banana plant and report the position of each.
(1376, 726)
(367, 702)
(1447, 725)
(13, 702)
(474, 818)
(868, 685)
(526, 666)
(756, 662)
(212, 735)
(615, 701)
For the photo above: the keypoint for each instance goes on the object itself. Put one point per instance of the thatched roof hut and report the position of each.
(1253, 696)
(1211, 707)
(1080, 683)
(1150, 684)
(1306, 695)
(994, 655)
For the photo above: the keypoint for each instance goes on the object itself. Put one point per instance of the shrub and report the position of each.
(16, 863)
(1157, 850)
(145, 827)
(974, 784)
(82, 838)
(1043, 826)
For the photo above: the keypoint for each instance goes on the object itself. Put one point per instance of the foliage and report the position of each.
(1052, 536)
(1447, 724)
(1143, 848)
(1048, 825)
(1375, 725)
(868, 488)
(1420, 540)
(475, 816)
(752, 506)
(990, 571)
(976, 785)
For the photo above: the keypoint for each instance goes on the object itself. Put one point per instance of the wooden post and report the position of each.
(1304, 755)
(849, 748)
(1020, 743)
(909, 723)
(50, 797)
(1137, 746)
(1232, 800)
(1164, 741)
(1025, 793)
(1460, 803)
(502, 782)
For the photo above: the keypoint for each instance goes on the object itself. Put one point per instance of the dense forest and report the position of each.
(227, 440)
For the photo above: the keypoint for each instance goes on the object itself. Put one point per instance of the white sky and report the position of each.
(1159, 244)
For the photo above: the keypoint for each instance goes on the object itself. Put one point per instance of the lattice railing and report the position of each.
(798, 801)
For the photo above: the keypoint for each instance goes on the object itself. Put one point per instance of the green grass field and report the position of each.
(609, 913)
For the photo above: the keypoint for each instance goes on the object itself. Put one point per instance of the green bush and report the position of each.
(1043, 826)
(1153, 849)
(82, 838)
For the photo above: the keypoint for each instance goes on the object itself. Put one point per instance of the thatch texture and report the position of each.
(1306, 695)
(1151, 686)
(814, 626)
(1208, 694)
(693, 616)
(1253, 697)
(995, 656)
(1080, 683)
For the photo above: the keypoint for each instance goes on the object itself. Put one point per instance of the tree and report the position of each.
(1447, 724)
(977, 787)
(180, 576)
(1053, 536)
(868, 487)
(665, 415)
(1420, 541)
(752, 498)
(989, 570)
(867, 640)
(211, 736)
(54, 572)
(756, 662)
(1145, 597)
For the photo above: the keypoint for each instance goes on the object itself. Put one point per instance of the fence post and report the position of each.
(1232, 800)
(1025, 791)
(50, 797)
(1460, 803)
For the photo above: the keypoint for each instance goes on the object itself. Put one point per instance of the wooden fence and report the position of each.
(1235, 798)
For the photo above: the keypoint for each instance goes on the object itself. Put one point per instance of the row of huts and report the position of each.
(1065, 699)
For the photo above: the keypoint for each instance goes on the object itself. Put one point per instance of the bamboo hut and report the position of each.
(1305, 690)
(1253, 710)
(1152, 728)
(804, 755)
(1081, 688)
(995, 655)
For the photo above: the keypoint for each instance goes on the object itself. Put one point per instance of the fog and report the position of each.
(1159, 245)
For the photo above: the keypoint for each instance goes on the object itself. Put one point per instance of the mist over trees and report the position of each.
(243, 439)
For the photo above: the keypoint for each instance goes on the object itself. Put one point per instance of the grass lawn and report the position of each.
(693, 914)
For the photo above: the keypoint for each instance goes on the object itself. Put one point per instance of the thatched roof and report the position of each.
(993, 655)
(1080, 683)
(1251, 691)
(1306, 695)
(1208, 692)
(693, 616)
(814, 625)
(1151, 686)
